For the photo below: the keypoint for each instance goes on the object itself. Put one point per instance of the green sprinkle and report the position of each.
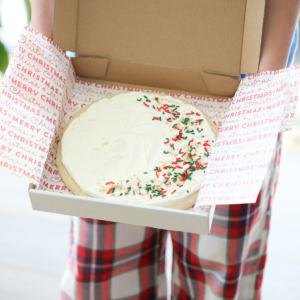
(166, 181)
(139, 99)
(169, 174)
(145, 97)
(213, 141)
(174, 125)
(167, 139)
(159, 118)
(121, 194)
(127, 180)
(189, 178)
(189, 143)
(148, 100)
(164, 195)
(153, 106)
(166, 152)
(133, 192)
(187, 191)
(206, 154)
(173, 146)
(152, 181)
(126, 193)
(145, 172)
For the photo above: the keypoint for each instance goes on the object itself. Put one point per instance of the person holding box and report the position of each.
(119, 261)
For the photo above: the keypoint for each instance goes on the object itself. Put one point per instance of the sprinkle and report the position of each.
(146, 104)
(166, 142)
(205, 149)
(191, 113)
(145, 172)
(110, 190)
(153, 106)
(150, 196)
(133, 192)
(183, 154)
(110, 182)
(173, 192)
(138, 184)
(127, 180)
(166, 152)
(139, 99)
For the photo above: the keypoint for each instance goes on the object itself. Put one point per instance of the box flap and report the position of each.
(187, 37)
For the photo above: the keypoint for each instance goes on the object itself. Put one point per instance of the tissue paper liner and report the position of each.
(41, 93)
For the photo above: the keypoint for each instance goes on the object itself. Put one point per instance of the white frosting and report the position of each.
(117, 144)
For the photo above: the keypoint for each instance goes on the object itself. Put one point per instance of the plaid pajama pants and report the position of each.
(118, 261)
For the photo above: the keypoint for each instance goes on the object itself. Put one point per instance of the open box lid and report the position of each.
(197, 46)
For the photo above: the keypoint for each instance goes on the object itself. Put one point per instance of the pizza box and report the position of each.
(194, 47)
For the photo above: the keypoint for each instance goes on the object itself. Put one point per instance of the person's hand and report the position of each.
(42, 16)
(281, 17)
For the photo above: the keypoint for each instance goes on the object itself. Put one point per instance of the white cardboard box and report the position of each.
(157, 217)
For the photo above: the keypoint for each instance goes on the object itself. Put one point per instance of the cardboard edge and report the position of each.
(136, 88)
(90, 66)
(252, 36)
(221, 84)
(140, 215)
(211, 216)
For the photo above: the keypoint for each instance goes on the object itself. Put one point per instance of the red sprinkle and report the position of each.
(138, 184)
(155, 118)
(129, 188)
(158, 108)
(150, 196)
(191, 140)
(110, 190)
(189, 114)
(173, 192)
(177, 128)
(110, 182)
(169, 120)
(197, 114)
(168, 183)
(146, 104)
(166, 167)
(180, 150)
(178, 167)
(183, 154)
(205, 149)
(166, 142)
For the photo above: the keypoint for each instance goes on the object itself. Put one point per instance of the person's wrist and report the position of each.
(272, 64)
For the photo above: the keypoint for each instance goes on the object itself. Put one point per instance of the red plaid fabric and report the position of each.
(118, 261)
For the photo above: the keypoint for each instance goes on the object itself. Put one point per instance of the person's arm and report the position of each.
(281, 17)
(42, 16)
